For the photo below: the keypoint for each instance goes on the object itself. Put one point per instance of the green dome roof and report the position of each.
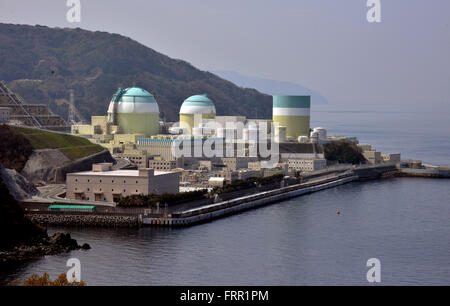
(133, 94)
(199, 100)
(198, 104)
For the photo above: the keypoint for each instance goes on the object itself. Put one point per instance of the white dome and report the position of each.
(198, 104)
(134, 100)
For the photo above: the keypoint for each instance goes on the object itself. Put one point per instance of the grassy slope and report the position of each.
(73, 147)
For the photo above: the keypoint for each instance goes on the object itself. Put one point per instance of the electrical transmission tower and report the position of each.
(71, 119)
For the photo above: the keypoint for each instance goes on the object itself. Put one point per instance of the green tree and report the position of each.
(344, 151)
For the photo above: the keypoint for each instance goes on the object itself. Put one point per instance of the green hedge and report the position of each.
(249, 183)
(152, 199)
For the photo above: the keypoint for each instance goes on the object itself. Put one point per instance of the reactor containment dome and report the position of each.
(135, 111)
(199, 105)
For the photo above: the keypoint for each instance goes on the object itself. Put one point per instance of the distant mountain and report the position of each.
(42, 64)
(270, 87)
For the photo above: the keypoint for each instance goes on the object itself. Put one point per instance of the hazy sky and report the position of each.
(327, 45)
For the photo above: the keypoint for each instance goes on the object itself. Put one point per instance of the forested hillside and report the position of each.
(42, 64)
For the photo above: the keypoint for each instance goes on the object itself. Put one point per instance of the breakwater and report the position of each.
(86, 220)
(433, 172)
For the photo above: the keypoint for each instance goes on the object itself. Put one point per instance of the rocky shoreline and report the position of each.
(53, 245)
(85, 220)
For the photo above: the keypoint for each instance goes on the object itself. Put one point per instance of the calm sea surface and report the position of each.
(405, 223)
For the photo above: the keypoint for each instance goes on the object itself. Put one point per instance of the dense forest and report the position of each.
(42, 64)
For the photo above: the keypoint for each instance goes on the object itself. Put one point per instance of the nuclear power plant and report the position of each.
(132, 130)
(133, 119)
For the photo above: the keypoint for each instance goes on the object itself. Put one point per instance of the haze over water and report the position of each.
(404, 222)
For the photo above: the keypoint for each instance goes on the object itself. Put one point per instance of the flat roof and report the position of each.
(71, 207)
(116, 173)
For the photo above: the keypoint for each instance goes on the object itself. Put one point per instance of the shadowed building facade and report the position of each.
(104, 184)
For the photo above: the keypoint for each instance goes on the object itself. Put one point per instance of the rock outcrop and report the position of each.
(42, 164)
(18, 185)
(51, 165)
(56, 244)
(22, 239)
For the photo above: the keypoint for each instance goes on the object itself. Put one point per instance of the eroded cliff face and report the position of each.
(41, 166)
(51, 165)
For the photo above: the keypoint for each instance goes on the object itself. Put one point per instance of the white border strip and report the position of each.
(284, 111)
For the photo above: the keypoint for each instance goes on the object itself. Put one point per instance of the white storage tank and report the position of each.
(322, 132)
(314, 136)
(303, 139)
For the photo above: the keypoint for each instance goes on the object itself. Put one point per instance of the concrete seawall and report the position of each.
(427, 172)
(247, 203)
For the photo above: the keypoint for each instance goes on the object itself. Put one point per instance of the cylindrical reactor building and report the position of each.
(199, 105)
(293, 112)
(135, 111)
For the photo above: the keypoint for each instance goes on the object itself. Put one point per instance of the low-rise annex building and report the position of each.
(105, 184)
(391, 157)
(137, 157)
(163, 165)
(372, 156)
(307, 165)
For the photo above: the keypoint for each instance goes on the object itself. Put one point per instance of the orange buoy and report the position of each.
(338, 211)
